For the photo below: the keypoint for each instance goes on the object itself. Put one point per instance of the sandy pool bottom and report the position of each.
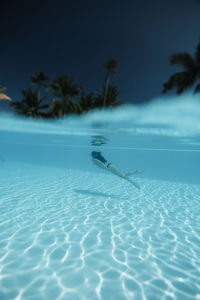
(69, 234)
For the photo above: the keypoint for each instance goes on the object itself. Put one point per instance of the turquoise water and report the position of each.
(69, 230)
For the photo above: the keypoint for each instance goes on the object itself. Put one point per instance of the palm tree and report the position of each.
(111, 99)
(94, 100)
(30, 105)
(110, 66)
(87, 102)
(55, 108)
(64, 89)
(39, 79)
(112, 96)
(190, 74)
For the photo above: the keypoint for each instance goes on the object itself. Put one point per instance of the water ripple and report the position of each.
(67, 234)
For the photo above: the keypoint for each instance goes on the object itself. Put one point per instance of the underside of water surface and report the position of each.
(71, 230)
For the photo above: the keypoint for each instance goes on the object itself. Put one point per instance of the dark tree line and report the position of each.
(66, 97)
(70, 98)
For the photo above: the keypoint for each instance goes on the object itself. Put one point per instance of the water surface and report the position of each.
(69, 230)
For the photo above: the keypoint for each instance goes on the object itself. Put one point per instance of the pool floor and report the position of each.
(69, 234)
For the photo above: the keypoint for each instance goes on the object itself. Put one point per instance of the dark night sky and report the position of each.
(76, 37)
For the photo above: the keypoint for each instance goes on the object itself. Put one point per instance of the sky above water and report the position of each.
(76, 38)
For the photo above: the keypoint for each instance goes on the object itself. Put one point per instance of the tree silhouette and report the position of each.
(40, 80)
(111, 98)
(190, 74)
(66, 96)
(110, 66)
(64, 90)
(56, 108)
(30, 105)
(94, 100)
(87, 102)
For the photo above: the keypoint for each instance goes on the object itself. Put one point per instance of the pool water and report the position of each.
(69, 230)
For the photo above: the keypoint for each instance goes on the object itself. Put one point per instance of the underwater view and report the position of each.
(102, 206)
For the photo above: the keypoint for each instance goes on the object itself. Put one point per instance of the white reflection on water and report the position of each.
(174, 116)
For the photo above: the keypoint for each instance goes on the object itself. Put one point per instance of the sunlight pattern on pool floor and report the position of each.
(67, 234)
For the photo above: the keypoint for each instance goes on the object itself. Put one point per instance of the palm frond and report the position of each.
(197, 88)
(197, 54)
(30, 105)
(39, 78)
(180, 81)
(64, 87)
(183, 59)
(87, 101)
(111, 66)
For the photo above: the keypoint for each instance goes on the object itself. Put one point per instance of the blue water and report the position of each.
(69, 230)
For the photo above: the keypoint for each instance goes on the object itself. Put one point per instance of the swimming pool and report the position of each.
(69, 230)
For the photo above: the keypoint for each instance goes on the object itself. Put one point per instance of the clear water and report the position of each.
(69, 230)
